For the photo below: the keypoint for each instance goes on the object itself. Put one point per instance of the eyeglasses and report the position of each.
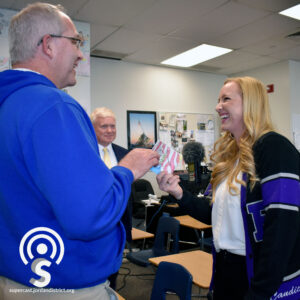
(78, 42)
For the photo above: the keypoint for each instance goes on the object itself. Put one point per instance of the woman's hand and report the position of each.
(169, 183)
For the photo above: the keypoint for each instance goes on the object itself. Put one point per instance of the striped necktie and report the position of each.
(106, 158)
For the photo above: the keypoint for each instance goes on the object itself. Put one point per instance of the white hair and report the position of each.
(102, 112)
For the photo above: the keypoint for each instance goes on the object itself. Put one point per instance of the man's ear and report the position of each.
(47, 45)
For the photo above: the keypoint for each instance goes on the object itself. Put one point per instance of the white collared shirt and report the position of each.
(227, 221)
(111, 153)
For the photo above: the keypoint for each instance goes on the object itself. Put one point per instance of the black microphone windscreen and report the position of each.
(193, 151)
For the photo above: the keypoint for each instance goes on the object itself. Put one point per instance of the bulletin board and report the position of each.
(177, 129)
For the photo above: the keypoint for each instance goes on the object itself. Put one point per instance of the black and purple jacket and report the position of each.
(271, 220)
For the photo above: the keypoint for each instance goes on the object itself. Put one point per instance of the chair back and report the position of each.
(140, 189)
(167, 230)
(171, 277)
(166, 225)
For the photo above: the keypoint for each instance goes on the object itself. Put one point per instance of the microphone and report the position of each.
(193, 154)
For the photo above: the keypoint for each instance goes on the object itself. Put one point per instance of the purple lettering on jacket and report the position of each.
(256, 210)
(289, 290)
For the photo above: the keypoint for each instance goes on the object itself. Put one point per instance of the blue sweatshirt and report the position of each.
(51, 176)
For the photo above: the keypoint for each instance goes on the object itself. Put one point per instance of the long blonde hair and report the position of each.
(231, 158)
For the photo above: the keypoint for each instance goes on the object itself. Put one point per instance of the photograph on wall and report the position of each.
(141, 129)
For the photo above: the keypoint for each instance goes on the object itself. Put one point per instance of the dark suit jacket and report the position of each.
(120, 152)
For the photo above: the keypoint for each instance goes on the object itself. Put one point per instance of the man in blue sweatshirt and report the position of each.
(60, 206)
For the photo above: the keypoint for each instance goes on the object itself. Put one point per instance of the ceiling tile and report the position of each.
(149, 31)
(206, 69)
(168, 15)
(270, 46)
(220, 21)
(112, 12)
(230, 59)
(126, 41)
(292, 53)
(70, 6)
(273, 25)
(160, 50)
(270, 5)
(249, 65)
(99, 33)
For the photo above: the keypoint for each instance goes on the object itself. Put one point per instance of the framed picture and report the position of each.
(141, 129)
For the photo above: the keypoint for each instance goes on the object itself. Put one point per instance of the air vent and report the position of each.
(204, 68)
(108, 54)
(294, 36)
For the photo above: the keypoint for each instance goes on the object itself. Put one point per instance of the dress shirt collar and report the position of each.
(109, 148)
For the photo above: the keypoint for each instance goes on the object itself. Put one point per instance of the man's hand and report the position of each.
(139, 161)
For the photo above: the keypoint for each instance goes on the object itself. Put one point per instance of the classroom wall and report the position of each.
(295, 86)
(285, 99)
(123, 86)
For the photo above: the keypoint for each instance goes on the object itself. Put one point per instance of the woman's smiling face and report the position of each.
(230, 109)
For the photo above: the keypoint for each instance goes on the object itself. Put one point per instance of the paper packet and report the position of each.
(169, 158)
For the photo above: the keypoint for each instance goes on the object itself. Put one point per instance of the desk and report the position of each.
(119, 296)
(198, 263)
(138, 234)
(173, 205)
(190, 222)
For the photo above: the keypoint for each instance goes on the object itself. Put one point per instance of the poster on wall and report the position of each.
(5, 16)
(141, 129)
(83, 29)
(177, 129)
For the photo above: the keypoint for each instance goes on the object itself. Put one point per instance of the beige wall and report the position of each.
(295, 86)
(125, 86)
(280, 101)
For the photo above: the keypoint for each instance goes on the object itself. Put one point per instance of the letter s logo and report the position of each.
(45, 242)
(36, 268)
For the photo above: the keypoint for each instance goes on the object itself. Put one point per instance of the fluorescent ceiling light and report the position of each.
(293, 12)
(196, 56)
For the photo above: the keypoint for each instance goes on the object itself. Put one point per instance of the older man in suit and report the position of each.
(104, 122)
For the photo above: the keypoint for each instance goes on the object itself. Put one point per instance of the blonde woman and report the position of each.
(255, 199)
